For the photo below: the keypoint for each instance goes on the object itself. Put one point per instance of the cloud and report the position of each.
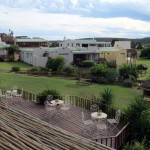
(42, 18)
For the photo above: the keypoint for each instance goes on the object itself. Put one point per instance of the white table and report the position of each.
(57, 102)
(95, 115)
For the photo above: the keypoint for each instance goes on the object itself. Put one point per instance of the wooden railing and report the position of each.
(117, 141)
(112, 141)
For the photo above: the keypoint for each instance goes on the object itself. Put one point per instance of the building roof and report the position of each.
(20, 130)
(109, 49)
(31, 40)
(26, 49)
(91, 42)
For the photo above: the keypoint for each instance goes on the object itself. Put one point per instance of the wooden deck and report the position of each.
(72, 123)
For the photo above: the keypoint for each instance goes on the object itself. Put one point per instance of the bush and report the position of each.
(107, 97)
(100, 69)
(134, 146)
(43, 69)
(111, 75)
(88, 63)
(56, 64)
(15, 68)
(41, 97)
(69, 69)
(138, 113)
(127, 70)
(127, 83)
(101, 79)
(33, 69)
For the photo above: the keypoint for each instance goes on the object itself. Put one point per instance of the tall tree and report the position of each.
(12, 49)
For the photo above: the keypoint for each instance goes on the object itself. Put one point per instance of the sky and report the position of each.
(54, 19)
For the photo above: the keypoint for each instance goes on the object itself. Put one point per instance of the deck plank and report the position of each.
(72, 123)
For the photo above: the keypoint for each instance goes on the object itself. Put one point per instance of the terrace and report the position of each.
(73, 122)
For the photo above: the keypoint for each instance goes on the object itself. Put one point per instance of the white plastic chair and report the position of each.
(19, 96)
(9, 98)
(102, 126)
(2, 96)
(50, 108)
(49, 98)
(94, 108)
(114, 122)
(88, 124)
(65, 109)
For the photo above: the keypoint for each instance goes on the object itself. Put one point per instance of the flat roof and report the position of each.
(109, 49)
(31, 40)
(91, 42)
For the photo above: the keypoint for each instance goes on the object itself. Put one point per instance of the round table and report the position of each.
(95, 115)
(57, 102)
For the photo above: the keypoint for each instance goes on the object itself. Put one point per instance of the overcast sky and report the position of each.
(54, 19)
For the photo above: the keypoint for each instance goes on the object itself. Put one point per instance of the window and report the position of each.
(78, 44)
(92, 44)
(84, 45)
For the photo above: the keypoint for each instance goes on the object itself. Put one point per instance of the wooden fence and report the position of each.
(114, 141)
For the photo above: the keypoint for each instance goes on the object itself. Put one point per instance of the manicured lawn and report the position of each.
(123, 96)
(147, 62)
(9, 65)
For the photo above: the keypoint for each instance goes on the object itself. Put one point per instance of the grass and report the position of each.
(123, 96)
(9, 65)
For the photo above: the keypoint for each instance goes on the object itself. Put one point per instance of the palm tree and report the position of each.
(12, 50)
(107, 97)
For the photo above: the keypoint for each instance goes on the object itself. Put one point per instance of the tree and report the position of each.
(56, 64)
(54, 44)
(12, 50)
(126, 71)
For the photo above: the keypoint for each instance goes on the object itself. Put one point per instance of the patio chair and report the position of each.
(114, 122)
(50, 108)
(67, 100)
(9, 98)
(2, 96)
(49, 98)
(94, 108)
(88, 124)
(19, 96)
(102, 126)
(65, 109)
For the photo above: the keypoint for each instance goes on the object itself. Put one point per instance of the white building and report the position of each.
(74, 51)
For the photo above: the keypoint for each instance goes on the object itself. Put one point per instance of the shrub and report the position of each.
(41, 97)
(33, 69)
(107, 97)
(127, 70)
(127, 83)
(134, 146)
(69, 69)
(111, 75)
(100, 69)
(43, 69)
(99, 79)
(139, 115)
(88, 63)
(15, 68)
(56, 64)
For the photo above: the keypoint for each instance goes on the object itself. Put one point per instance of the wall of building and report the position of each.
(66, 53)
(39, 61)
(123, 44)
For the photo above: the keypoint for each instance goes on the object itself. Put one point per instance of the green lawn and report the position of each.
(147, 62)
(9, 65)
(123, 96)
